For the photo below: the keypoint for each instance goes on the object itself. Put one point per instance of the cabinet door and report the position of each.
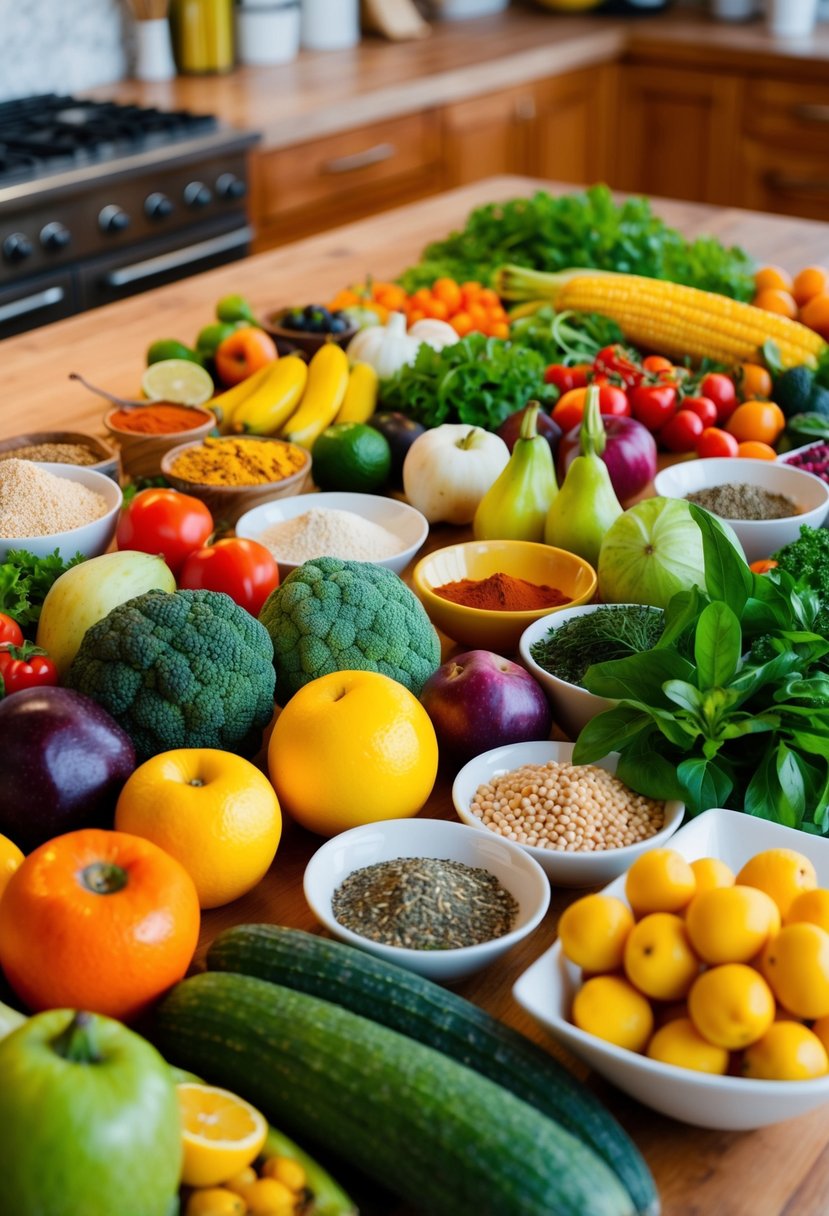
(487, 135)
(570, 135)
(677, 133)
(790, 183)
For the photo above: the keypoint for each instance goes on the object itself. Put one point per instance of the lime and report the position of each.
(171, 348)
(211, 336)
(351, 456)
(234, 308)
(177, 380)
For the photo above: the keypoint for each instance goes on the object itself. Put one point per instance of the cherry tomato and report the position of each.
(243, 569)
(680, 433)
(10, 632)
(653, 404)
(569, 408)
(754, 381)
(715, 442)
(613, 400)
(762, 565)
(657, 363)
(566, 378)
(164, 522)
(25, 666)
(618, 360)
(720, 389)
(703, 407)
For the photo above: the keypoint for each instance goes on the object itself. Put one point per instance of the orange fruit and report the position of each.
(349, 748)
(731, 1006)
(772, 299)
(753, 380)
(221, 1133)
(10, 858)
(815, 314)
(214, 812)
(679, 1042)
(781, 873)
(611, 1009)
(215, 1201)
(661, 880)
(593, 931)
(788, 1051)
(659, 959)
(242, 353)
(753, 449)
(812, 906)
(447, 290)
(711, 873)
(757, 420)
(731, 924)
(97, 920)
(774, 277)
(796, 965)
(809, 282)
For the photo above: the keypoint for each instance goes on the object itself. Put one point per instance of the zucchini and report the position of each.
(440, 1136)
(443, 1020)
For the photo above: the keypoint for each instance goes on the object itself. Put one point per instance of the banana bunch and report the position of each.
(263, 402)
(323, 397)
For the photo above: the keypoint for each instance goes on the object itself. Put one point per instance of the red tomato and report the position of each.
(613, 400)
(653, 404)
(243, 569)
(680, 433)
(569, 408)
(25, 666)
(618, 360)
(10, 632)
(703, 407)
(566, 378)
(715, 442)
(164, 522)
(657, 363)
(720, 389)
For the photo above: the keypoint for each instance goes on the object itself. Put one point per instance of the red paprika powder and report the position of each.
(162, 418)
(502, 593)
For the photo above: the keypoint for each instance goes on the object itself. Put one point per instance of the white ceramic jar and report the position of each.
(791, 18)
(267, 32)
(330, 25)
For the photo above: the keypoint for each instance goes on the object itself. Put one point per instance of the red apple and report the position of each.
(480, 700)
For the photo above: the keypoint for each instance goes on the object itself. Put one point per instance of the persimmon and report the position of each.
(242, 353)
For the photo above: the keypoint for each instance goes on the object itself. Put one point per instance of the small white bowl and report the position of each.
(563, 869)
(759, 537)
(398, 517)
(547, 988)
(90, 539)
(375, 842)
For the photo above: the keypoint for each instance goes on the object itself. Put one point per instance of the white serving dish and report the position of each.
(90, 539)
(404, 521)
(563, 869)
(546, 990)
(759, 537)
(393, 838)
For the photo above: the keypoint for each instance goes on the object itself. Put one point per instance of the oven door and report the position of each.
(35, 301)
(152, 263)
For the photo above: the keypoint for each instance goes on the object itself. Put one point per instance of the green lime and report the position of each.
(234, 308)
(177, 380)
(212, 335)
(351, 456)
(171, 348)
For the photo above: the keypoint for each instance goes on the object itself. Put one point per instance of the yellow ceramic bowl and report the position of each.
(478, 559)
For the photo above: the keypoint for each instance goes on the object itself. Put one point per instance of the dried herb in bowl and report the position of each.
(612, 631)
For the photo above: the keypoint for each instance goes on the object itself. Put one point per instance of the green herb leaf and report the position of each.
(727, 576)
(609, 731)
(25, 581)
(645, 770)
(705, 782)
(680, 616)
(717, 645)
(686, 695)
(638, 678)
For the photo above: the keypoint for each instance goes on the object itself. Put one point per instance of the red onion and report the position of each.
(630, 454)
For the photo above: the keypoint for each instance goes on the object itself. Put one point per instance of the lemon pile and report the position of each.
(708, 970)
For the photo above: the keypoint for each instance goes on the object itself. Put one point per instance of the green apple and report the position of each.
(234, 308)
(212, 336)
(90, 1120)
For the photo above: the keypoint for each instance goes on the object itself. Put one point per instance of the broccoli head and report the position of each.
(180, 669)
(332, 615)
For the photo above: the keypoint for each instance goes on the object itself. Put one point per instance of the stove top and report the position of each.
(53, 133)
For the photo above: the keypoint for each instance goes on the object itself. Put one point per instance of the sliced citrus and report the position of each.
(10, 859)
(221, 1133)
(177, 380)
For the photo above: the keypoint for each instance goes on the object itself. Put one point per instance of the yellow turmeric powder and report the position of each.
(238, 462)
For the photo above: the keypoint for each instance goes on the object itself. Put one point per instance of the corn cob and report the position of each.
(668, 317)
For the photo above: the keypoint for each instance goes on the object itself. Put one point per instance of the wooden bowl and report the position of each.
(141, 455)
(108, 461)
(229, 503)
(297, 341)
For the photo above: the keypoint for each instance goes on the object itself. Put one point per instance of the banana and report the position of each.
(226, 402)
(360, 399)
(323, 396)
(270, 405)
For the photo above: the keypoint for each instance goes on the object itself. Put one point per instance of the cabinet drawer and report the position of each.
(793, 111)
(787, 182)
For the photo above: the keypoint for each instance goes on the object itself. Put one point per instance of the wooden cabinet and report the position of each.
(485, 136)
(571, 137)
(785, 150)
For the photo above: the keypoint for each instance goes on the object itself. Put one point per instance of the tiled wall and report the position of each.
(58, 46)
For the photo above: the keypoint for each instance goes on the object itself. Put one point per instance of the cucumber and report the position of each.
(424, 1011)
(443, 1138)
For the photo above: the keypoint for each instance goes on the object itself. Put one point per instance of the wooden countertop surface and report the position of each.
(783, 1169)
(321, 93)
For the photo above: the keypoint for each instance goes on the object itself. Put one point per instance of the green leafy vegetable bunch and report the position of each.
(25, 581)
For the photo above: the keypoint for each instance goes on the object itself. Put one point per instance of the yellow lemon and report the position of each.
(731, 1006)
(679, 1042)
(796, 966)
(352, 747)
(241, 1179)
(788, 1051)
(820, 1027)
(781, 873)
(610, 1008)
(731, 924)
(659, 881)
(214, 812)
(10, 859)
(215, 1201)
(269, 1197)
(812, 906)
(659, 960)
(221, 1133)
(710, 873)
(593, 932)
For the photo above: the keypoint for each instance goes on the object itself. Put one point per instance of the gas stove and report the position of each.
(100, 200)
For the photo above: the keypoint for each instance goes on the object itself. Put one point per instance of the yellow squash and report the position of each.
(323, 396)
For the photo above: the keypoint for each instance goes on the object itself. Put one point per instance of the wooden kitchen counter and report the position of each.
(778, 1170)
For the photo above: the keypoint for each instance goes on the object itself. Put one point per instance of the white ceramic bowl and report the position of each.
(759, 537)
(375, 842)
(547, 988)
(563, 869)
(91, 539)
(404, 521)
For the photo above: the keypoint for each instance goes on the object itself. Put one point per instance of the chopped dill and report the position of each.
(612, 631)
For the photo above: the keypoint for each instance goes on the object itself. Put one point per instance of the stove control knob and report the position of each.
(230, 186)
(158, 206)
(197, 195)
(55, 237)
(16, 247)
(112, 219)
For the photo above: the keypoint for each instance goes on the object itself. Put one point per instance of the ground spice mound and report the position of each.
(55, 453)
(501, 593)
(744, 502)
(34, 502)
(321, 532)
(238, 462)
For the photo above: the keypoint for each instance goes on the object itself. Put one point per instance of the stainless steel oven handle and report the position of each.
(41, 299)
(179, 257)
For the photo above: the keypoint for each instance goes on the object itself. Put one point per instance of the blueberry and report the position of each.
(338, 325)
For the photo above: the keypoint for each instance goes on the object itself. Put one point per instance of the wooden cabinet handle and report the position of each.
(360, 160)
(812, 112)
(790, 185)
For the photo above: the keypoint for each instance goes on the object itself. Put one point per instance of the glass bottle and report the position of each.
(203, 35)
